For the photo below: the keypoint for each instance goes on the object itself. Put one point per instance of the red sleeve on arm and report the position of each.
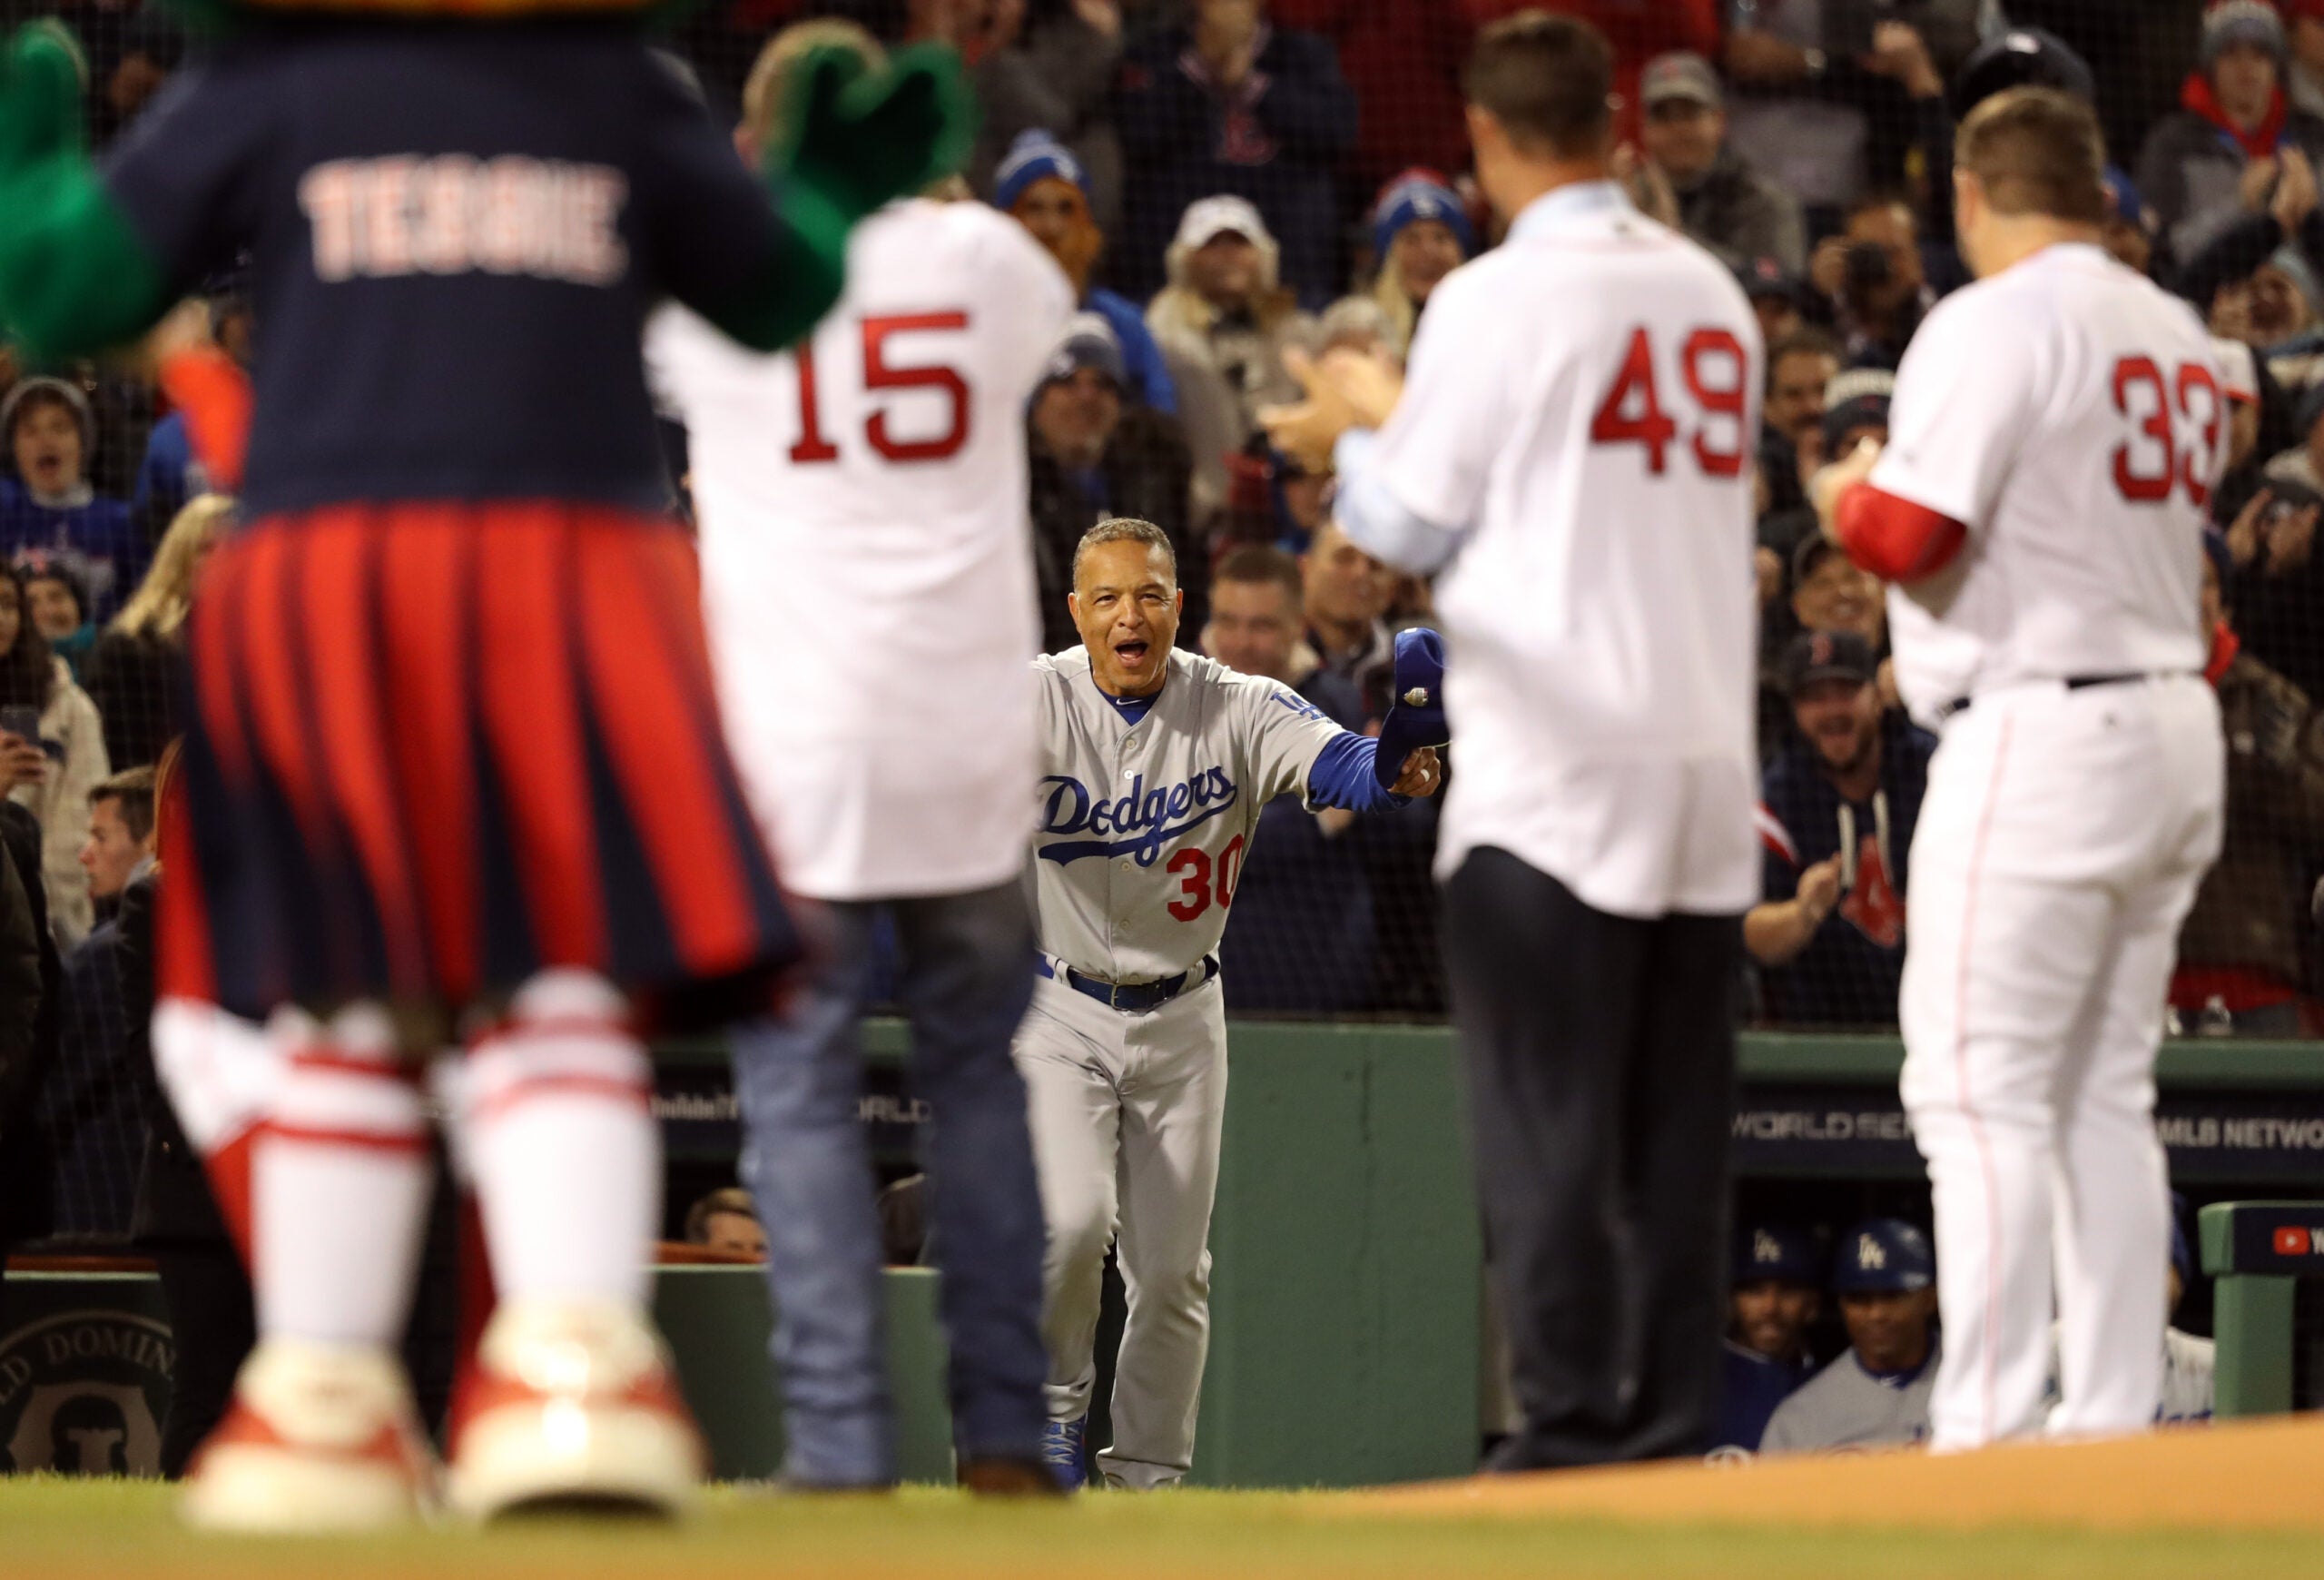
(214, 393)
(1894, 538)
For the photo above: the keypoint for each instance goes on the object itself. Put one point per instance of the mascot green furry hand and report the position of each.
(73, 275)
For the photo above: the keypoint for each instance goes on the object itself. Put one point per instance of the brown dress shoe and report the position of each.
(1010, 1478)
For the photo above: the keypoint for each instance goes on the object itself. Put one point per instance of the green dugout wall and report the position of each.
(1345, 1289)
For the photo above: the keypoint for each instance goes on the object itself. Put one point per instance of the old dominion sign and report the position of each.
(83, 1391)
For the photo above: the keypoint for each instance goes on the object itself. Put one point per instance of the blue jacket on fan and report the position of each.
(94, 537)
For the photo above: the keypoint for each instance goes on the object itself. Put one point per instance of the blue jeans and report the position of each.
(966, 972)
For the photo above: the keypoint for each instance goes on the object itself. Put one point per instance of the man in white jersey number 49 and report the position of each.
(1572, 453)
(868, 581)
(2039, 507)
(1156, 767)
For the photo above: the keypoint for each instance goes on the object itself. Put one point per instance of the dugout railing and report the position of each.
(2268, 1258)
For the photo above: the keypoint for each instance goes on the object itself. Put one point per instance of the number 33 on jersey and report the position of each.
(2079, 448)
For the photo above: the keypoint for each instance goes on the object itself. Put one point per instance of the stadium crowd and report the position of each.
(1228, 180)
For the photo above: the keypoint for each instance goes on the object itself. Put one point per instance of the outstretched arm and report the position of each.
(1346, 774)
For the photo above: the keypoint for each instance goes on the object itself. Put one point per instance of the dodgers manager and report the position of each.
(1156, 767)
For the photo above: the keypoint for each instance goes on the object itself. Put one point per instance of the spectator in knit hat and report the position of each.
(1042, 186)
(1420, 233)
(1856, 408)
(2221, 155)
(1227, 319)
(50, 437)
(1723, 202)
(1051, 68)
(1091, 456)
(1229, 103)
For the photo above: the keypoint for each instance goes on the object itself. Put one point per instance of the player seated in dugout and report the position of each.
(728, 1220)
(2190, 1364)
(1878, 1393)
(1839, 806)
(2240, 949)
(1774, 1292)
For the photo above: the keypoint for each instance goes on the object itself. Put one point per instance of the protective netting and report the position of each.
(1805, 140)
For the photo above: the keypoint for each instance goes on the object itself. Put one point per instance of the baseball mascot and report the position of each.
(453, 774)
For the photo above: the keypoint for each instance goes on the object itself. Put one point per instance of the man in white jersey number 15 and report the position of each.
(2056, 431)
(1572, 452)
(1155, 766)
(868, 580)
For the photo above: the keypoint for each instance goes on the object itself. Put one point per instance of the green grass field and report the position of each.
(63, 1530)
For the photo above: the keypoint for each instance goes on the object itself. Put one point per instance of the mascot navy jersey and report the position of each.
(393, 181)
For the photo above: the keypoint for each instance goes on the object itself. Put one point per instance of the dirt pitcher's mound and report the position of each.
(2247, 1475)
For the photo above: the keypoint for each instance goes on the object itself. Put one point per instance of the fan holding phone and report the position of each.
(52, 754)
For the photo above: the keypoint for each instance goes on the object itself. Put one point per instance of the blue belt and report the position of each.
(1132, 998)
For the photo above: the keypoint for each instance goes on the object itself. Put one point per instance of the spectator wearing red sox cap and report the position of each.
(1724, 201)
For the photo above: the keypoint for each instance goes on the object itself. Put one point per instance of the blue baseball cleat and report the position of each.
(1063, 1444)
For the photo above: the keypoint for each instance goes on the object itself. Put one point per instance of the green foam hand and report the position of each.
(72, 276)
(42, 76)
(861, 136)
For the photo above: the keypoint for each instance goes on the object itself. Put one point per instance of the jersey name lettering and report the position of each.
(1145, 819)
(379, 219)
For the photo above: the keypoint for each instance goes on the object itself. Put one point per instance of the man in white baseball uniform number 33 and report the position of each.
(2056, 431)
(1156, 767)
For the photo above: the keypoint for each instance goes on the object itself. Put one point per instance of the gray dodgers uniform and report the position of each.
(2189, 1390)
(1142, 829)
(1846, 1407)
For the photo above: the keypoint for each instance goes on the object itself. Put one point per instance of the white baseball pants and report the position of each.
(1127, 1112)
(2058, 851)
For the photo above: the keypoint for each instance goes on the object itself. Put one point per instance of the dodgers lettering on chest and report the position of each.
(453, 215)
(1136, 825)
